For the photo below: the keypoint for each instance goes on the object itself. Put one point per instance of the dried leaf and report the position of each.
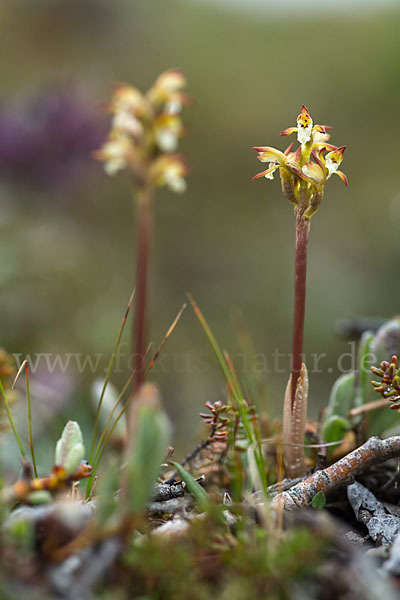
(294, 422)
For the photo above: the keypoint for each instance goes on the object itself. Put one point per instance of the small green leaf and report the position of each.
(319, 500)
(342, 396)
(365, 361)
(39, 497)
(108, 486)
(70, 449)
(152, 432)
(335, 428)
(22, 532)
(194, 487)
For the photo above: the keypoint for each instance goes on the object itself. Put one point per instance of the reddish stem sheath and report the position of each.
(302, 230)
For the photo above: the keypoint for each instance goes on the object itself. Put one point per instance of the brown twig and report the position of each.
(342, 472)
(374, 405)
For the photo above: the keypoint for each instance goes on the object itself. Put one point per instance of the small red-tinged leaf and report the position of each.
(343, 177)
(263, 173)
(288, 131)
(288, 149)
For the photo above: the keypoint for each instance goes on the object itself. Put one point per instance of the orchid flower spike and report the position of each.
(304, 172)
(145, 131)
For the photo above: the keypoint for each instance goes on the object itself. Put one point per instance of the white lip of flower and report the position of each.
(304, 133)
(331, 166)
(127, 122)
(270, 175)
(166, 140)
(173, 107)
(115, 157)
(175, 182)
(114, 165)
(320, 138)
(307, 171)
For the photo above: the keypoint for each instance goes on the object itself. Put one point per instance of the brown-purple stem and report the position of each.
(302, 230)
(144, 230)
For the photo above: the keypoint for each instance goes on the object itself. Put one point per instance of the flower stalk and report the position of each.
(302, 231)
(144, 136)
(304, 174)
(144, 233)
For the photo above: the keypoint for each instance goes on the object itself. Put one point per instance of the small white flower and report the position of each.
(127, 122)
(114, 156)
(270, 175)
(175, 182)
(114, 165)
(173, 107)
(167, 141)
(331, 165)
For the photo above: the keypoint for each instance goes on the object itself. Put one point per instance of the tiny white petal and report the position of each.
(166, 140)
(125, 121)
(320, 138)
(175, 182)
(304, 134)
(331, 166)
(173, 107)
(114, 149)
(114, 165)
(270, 175)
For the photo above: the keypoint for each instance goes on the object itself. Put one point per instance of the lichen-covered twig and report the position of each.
(343, 471)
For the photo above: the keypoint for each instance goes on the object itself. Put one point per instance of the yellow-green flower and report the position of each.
(145, 130)
(305, 172)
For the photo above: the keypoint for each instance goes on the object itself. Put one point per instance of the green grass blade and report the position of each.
(11, 420)
(29, 410)
(194, 487)
(108, 374)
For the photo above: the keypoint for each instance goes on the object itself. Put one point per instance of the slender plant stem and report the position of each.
(29, 410)
(302, 230)
(144, 218)
(144, 197)
(108, 374)
(11, 421)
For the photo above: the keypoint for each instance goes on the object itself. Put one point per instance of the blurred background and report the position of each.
(67, 236)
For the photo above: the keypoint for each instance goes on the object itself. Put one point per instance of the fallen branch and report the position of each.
(342, 472)
(374, 405)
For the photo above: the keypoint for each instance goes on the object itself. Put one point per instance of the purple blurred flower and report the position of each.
(47, 138)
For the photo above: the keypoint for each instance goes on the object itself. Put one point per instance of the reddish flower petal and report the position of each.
(288, 149)
(343, 177)
(263, 173)
(288, 131)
